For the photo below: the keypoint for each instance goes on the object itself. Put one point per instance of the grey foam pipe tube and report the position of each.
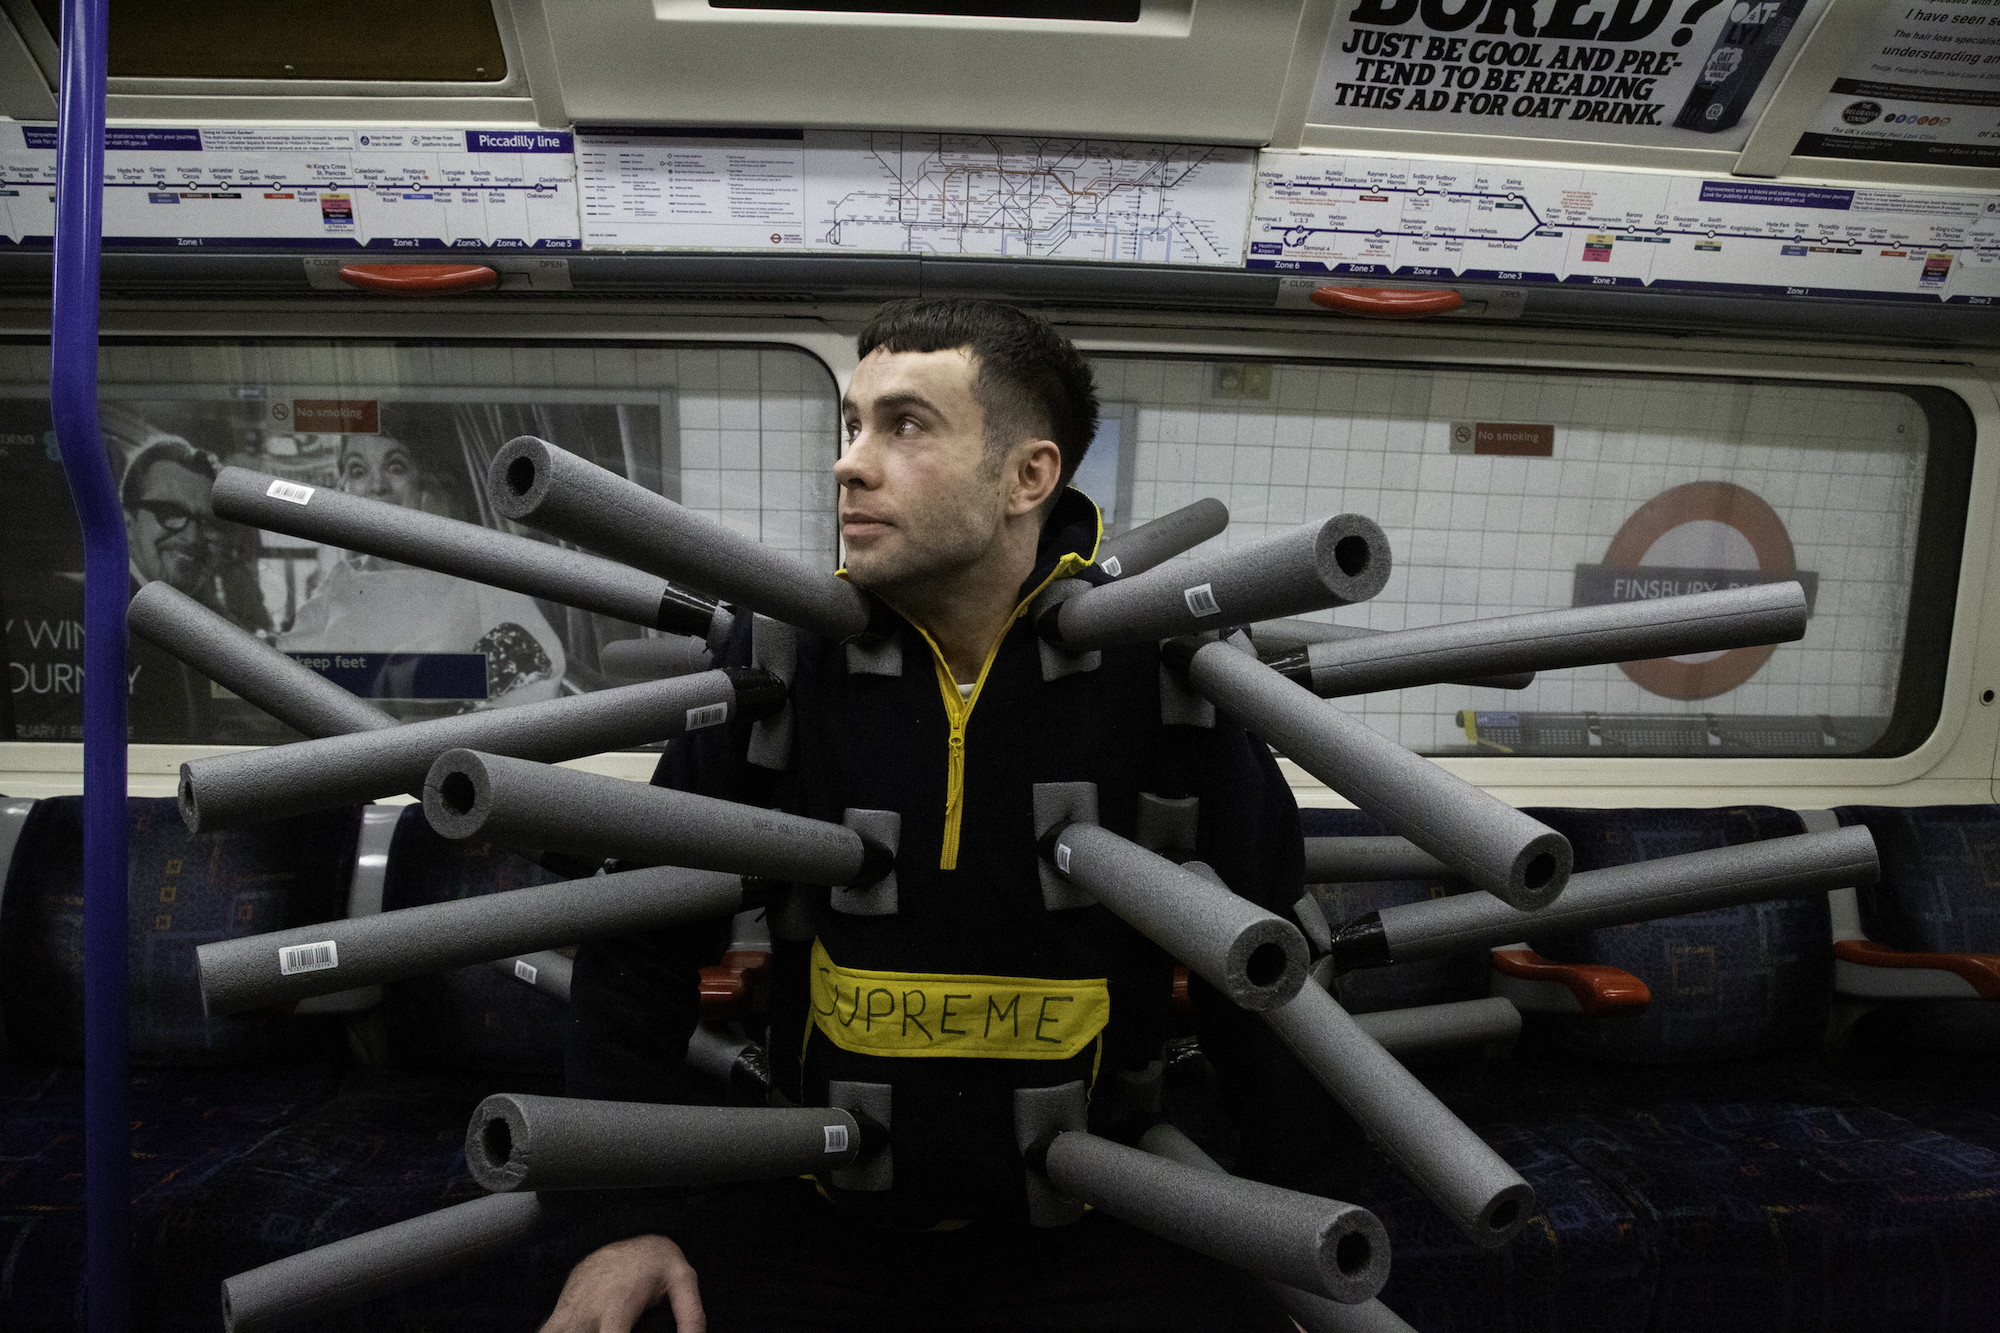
(346, 1273)
(1316, 1314)
(656, 659)
(545, 970)
(1364, 859)
(1342, 560)
(1619, 895)
(252, 971)
(521, 1142)
(297, 696)
(230, 790)
(468, 794)
(1425, 1028)
(1159, 540)
(1255, 958)
(1517, 859)
(534, 482)
(1465, 1178)
(484, 555)
(1322, 1245)
(1278, 639)
(1549, 640)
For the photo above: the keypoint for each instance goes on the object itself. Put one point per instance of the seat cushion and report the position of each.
(1940, 885)
(184, 890)
(1726, 983)
(187, 1125)
(469, 1018)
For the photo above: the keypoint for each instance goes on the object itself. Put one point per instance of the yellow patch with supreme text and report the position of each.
(930, 1014)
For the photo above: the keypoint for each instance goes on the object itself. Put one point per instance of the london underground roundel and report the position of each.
(1695, 536)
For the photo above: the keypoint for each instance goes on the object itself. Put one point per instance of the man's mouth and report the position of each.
(862, 525)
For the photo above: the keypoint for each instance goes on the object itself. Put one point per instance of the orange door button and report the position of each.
(1387, 302)
(419, 279)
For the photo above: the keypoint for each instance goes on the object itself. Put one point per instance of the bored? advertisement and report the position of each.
(1669, 73)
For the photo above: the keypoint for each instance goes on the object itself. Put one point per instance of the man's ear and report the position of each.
(1034, 471)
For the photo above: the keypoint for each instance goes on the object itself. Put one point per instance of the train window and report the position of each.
(747, 435)
(440, 41)
(1513, 491)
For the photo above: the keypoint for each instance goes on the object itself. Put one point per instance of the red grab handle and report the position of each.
(1982, 970)
(419, 279)
(1387, 302)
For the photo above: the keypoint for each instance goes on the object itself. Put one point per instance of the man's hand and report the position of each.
(612, 1287)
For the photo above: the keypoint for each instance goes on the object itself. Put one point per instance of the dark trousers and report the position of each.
(777, 1257)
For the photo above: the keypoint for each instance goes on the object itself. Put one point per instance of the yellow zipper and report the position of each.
(958, 707)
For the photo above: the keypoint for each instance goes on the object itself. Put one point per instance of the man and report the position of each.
(964, 423)
(171, 529)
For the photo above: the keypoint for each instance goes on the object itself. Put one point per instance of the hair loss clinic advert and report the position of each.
(1668, 73)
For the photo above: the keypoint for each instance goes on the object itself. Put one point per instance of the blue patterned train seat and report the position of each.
(1704, 1165)
(392, 1145)
(204, 1090)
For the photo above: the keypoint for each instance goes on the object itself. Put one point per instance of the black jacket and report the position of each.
(950, 1031)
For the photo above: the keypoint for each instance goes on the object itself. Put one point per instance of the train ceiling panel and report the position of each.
(1178, 69)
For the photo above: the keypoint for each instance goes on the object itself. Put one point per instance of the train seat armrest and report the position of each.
(1869, 970)
(1536, 985)
(728, 987)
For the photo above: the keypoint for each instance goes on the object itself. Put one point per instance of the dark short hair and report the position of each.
(167, 450)
(1031, 383)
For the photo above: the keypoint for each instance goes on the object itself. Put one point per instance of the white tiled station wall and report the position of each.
(759, 435)
(1489, 536)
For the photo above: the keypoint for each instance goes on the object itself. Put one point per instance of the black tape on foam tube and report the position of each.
(1515, 858)
(1466, 1179)
(1324, 1246)
(534, 482)
(1342, 560)
(322, 1282)
(521, 1142)
(245, 787)
(252, 971)
(468, 794)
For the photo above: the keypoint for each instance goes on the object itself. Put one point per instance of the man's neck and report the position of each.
(966, 615)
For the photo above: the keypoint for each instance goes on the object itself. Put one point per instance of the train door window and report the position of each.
(1510, 491)
(746, 435)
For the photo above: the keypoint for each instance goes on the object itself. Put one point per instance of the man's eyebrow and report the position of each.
(896, 402)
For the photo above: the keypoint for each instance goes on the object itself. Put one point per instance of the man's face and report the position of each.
(380, 468)
(919, 501)
(172, 528)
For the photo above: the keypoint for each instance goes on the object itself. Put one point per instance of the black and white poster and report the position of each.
(1666, 73)
(416, 643)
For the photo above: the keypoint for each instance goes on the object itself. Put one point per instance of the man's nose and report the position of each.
(855, 466)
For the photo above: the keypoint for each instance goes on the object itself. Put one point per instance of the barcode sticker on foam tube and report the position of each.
(290, 490)
(1062, 857)
(526, 970)
(308, 958)
(1111, 566)
(836, 1138)
(1201, 600)
(708, 715)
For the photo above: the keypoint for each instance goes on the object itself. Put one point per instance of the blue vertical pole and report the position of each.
(107, 1160)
